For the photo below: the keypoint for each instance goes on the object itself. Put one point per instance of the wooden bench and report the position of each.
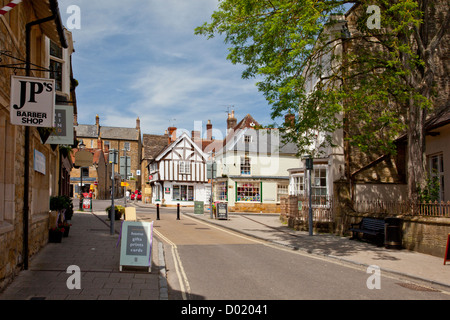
(370, 226)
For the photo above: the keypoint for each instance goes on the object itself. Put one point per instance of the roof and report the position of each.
(438, 121)
(86, 131)
(118, 133)
(113, 133)
(153, 145)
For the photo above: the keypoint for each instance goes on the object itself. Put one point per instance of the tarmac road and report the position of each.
(205, 261)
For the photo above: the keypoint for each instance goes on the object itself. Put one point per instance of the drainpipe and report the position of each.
(56, 16)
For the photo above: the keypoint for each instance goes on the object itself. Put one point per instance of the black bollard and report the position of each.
(157, 211)
(178, 211)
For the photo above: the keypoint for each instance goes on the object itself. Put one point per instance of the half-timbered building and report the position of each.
(178, 173)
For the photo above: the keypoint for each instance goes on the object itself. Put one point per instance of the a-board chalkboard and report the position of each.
(222, 210)
(136, 244)
(447, 250)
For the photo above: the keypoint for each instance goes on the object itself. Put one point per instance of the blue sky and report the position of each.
(141, 59)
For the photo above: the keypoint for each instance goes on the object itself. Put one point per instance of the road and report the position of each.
(205, 261)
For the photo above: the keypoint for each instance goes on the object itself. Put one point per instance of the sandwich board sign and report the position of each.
(136, 244)
(32, 102)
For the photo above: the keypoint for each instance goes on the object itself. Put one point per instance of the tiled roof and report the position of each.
(154, 145)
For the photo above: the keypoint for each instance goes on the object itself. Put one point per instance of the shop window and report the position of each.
(183, 193)
(221, 191)
(248, 191)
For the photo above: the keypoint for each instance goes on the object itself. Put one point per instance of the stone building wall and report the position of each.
(12, 152)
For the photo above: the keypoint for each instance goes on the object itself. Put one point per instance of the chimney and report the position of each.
(209, 130)
(138, 124)
(97, 123)
(172, 134)
(231, 121)
(195, 135)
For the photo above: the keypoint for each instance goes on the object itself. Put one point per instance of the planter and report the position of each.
(117, 215)
(118, 212)
(55, 236)
(66, 232)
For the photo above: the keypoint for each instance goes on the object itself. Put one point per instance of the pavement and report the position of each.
(96, 252)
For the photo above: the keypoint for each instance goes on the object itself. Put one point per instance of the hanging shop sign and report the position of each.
(63, 126)
(83, 158)
(32, 102)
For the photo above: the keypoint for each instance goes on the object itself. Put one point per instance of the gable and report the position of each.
(183, 149)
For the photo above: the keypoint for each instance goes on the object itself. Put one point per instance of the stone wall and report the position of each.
(256, 207)
(12, 154)
(419, 233)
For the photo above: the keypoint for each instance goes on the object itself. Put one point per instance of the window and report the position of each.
(282, 190)
(56, 65)
(319, 182)
(183, 193)
(221, 191)
(247, 139)
(245, 165)
(106, 144)
(436, 167)
(85, 172)
(127, 146)
(184, 167)
(248, 191)
(298, 185)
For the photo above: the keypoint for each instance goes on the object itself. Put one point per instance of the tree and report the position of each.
(335, 73)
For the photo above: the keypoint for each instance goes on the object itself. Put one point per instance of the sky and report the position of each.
(142, 59)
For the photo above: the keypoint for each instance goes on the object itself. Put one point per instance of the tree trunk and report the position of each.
(416, 150)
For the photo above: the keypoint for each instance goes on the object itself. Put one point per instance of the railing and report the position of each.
(435, 209)
(322, 209)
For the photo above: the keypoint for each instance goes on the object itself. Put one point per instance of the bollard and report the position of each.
(178, 211)
(157, 211)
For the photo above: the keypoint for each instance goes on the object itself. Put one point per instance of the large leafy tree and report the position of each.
(331, 73)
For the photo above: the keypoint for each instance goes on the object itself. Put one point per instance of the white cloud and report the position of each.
(141, 59)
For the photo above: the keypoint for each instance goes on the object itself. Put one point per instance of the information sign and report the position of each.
(136, 244)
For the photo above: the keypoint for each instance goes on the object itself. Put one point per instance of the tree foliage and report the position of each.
(383, 84)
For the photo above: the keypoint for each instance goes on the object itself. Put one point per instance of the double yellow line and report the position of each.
(182, 278)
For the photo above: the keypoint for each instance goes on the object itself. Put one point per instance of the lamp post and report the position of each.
(81, 147)
(113, 155)
(309, 166)
(125, 177)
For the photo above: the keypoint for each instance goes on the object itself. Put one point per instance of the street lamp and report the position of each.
(81, 146)
(113, 155)
(309, 166)
(125, 177)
